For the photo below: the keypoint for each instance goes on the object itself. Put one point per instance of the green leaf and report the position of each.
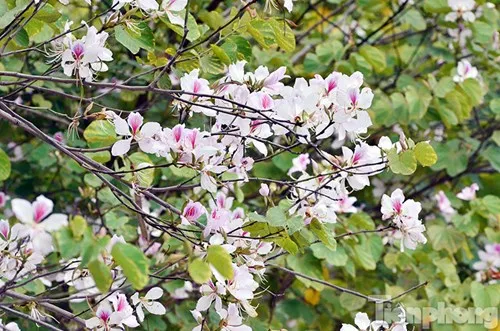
(199, 271)
(495, 106)
(5, 165)
(323, 234)
(436, 6)
(425, 154)
(262, 32)
(473, 91)
(283, 35)
(221, 54)
(309, 265)
(135, 36)
(276, 217)
(445, 237)
(415, 19)
(374, 56)
(221, 260)
(78, 225)
(141, 160)
(134, 263)
(336, 257)
(22, 38)
(403, 163)
(101, 274)
(483, 32)
(66, 244)
(492, 154)
(443, 87)
(100, 133)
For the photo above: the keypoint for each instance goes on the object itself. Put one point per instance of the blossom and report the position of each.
(37, 216)
(148, 302)
(412, 233)
(444, 205)
(232, 320)
(465, 70)
(86, 56)
(397, 208)
(461, 8)
(211, 292)
(363, 323)
(145, 5)
(3, 199)
(468, 193)
(133, 129)
(299, 164)
(12, 326)
(196, 87)
(192, 212)
(264, 190)
(172, 9)
(489, 259)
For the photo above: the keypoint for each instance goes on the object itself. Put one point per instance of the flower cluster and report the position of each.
(488, 266)
(83, 57)
(404, 216)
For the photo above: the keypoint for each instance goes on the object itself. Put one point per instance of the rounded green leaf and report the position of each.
(101, 274)
(199, 271)
(134, 263)
(100, 133)
(220, 259)
(425, 154)
(5, 166)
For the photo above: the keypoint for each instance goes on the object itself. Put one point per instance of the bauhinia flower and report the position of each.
(145, 5)
(86, 56)
(465, 70)
(192, 212)
(461, 8)
(231, 319)
(12, 326)
(211, 292)
(397, 208)
(173, 8)
(3, 199)
(37, 216)
(133, 129)
(363, 323)
(468, 193)
(405, 217)
(148, 302)
(444, 205)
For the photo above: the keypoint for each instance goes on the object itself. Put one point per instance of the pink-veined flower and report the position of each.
(149, 303)
(133, 129)
(37, 216)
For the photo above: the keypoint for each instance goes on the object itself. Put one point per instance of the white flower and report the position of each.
(468, 193)
(12, 326)
(211, 292)
(363, 324)
(461, 8)
(411, 230)
(444, 205)
(264, 190)
(397, 208)
(145, 5)
(172, 9)
(133, 129)
(148, 302)
(86, 56)
(37, 216)
(489, 259)
(465, 70)
(232, 320)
